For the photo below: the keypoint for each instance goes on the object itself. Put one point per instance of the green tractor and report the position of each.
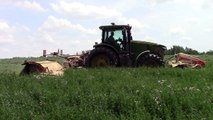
(117, 48)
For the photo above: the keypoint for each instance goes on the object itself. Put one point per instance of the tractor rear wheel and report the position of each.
(101, 57)
(150, 60)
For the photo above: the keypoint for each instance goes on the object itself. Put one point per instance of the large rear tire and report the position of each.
(101, 57)
(150, 60)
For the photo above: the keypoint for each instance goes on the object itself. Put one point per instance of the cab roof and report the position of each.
(114, 27)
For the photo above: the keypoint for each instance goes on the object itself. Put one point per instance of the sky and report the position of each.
(27, 27)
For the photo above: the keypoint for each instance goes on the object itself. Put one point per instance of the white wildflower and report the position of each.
(161, 82)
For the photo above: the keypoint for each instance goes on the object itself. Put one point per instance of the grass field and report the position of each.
(110, 93)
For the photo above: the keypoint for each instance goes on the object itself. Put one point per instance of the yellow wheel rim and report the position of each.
(100, 60)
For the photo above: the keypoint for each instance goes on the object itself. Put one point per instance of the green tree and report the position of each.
(175, 49)
(210, 52)
(191, 51)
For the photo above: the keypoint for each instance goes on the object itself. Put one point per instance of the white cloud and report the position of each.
(83, 10)
(195, 4)
(208, 4)
(96, 12)
(48, 37)
(56, 24)
(179, 33)
(153, 3)
(137, 25)
(54, 29)
(209, 30)
(6, 33)
(175, 30)
(192, 20)
(24, 28)
(13, 37)
(178, 36)
(186, 38)
(87, 11)
(149, 38)
(32, 5)
(26, 4)
(4, 27)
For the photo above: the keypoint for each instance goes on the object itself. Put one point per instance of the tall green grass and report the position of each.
(110, 93)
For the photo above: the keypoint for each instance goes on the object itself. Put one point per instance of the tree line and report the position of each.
(177, 49)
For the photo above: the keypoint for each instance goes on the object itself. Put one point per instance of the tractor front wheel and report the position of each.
(101, 57)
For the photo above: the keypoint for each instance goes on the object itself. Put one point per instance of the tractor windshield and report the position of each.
(118, 34)
(114, 38)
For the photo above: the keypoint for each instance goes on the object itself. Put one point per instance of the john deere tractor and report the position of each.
(117, 48)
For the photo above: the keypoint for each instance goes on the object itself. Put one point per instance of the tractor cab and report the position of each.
(117, 36)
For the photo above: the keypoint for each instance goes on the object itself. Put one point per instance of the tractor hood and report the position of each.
(147, 43)
(138, 46)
